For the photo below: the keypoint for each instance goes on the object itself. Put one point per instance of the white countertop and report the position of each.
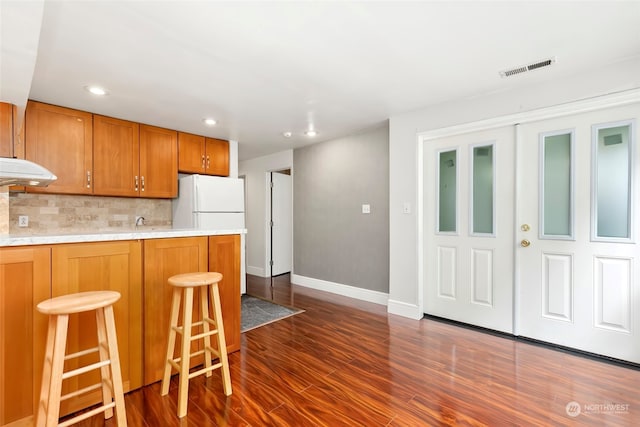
(15, 240)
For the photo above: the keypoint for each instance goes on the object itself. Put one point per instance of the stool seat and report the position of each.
(207, 285)
(78, 303)
(192, 280)
(53, 374)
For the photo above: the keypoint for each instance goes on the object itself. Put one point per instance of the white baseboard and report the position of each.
(256, 271)
(404, 309)
(340, 289)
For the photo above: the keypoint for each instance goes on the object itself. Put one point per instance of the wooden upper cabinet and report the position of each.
(158, 162)
(217, 157)
(6, 130)
(198, 154)
(60, 139)
(116, 157)
(191, 157)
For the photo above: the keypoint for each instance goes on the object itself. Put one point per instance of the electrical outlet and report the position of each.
(366, 209)
(23, 221)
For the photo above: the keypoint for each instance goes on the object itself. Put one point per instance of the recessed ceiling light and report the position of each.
(96, 90)
(287, 134)
(311, 133)
(209, 122)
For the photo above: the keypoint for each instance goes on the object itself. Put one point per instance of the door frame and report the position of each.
(555, 111)
(268, 272)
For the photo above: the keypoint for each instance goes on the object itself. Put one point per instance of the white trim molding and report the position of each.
(256, 271)
(412, 311)
(368, 295)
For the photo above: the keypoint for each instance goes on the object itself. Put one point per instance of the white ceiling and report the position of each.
(261, 68)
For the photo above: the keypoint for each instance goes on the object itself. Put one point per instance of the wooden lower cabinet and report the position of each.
(31, 274)
(24, 282)
(115, 266)
(224, 257)
(164, 258)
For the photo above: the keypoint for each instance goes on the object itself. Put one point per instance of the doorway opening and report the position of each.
(280, 223)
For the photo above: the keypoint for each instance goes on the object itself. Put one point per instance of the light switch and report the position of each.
(406, 208)
(366, 208)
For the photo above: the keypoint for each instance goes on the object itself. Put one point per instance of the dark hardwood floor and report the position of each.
(348, 363)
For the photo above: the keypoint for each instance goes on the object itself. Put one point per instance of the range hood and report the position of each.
(24, 172)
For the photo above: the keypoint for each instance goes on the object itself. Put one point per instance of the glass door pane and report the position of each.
(483, 189)
(612, 181)
(556, 198)
(447, 191)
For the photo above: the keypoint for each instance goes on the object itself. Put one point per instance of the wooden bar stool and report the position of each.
(207, 283)
(53, 374)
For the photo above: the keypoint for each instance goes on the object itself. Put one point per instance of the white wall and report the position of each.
(233, 159)
(256, 184)
(404, 294)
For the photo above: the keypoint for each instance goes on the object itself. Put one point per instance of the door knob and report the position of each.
(525, 243)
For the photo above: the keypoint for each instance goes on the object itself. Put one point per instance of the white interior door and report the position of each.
(282, 223)
(469, 191)
(577, 265)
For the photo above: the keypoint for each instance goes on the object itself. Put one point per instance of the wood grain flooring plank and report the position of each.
(345, 362)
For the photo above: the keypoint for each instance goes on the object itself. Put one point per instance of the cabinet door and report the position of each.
(158, 162)
(6, 130)
(191, 157)
(24, 282)
(60, 139)
(217, 157)
(164, 258)
(115, 266)
(224, 258)
(116, 157)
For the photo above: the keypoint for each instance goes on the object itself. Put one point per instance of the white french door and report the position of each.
(577, 233)
(469, 189)
(566, 271)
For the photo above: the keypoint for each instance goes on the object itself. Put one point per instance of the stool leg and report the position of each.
(204, 306)
(116, 374)
(43, 403)
(183, 389)
(171, 343)
(57, 368)
(222, 344)
(105, 377)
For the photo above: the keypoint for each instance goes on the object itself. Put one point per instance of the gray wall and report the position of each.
(332, 239)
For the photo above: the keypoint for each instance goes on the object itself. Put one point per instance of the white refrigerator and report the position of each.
(212, 203)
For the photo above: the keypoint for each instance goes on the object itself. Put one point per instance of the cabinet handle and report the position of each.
(136, 182)
(88, 179)
(203, 160)
(142, 189)
(208, 162)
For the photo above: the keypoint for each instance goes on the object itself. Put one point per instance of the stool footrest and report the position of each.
(86, 415)
(204, 334)
(82, 353)
(85, 369)
(82, 391)
(205, 370)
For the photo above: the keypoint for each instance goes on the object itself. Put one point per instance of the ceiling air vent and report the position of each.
(529, 67)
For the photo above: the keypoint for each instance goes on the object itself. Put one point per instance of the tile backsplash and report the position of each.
(64, 214)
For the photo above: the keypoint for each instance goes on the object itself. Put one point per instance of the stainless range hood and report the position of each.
(24, 172)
